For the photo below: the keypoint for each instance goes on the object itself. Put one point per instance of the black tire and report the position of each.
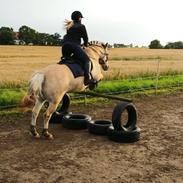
(99, 127)
(117, 116)
(76, 121)
(58, 117)
(65, 104)
(124, 136)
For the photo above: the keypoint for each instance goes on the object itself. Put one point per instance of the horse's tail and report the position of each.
(34, 90)
(35, 85)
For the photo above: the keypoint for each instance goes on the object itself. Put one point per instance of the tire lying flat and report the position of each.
(99, 127)
(58, 117)
(117, 116)
(123, 136)
(76, 121)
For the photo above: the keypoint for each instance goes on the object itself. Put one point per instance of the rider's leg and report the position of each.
(71, 48)
(80, 55)
(87, 76)
(67, 50)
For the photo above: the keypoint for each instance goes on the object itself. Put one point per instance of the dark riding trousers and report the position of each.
(71, 49)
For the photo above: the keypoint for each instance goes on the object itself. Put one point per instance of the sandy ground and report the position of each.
(80, 157)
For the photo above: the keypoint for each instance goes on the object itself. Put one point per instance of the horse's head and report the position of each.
(103, 60)
(102, 53)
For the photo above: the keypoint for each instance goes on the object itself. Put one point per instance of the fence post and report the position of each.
(157, 76)
(85, 98)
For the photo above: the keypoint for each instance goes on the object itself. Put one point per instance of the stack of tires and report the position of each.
(116, 129)
(127, 132)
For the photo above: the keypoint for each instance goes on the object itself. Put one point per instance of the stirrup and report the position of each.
(61, 60)
(92, 84)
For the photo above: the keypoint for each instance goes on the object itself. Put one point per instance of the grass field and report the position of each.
(136, 62)
(17, 63)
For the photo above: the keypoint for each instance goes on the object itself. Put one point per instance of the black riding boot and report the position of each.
(88, 80)
(87, 76)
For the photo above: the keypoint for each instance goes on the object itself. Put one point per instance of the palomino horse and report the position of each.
(52, 82)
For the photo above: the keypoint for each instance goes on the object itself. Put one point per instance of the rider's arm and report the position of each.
(84, 35)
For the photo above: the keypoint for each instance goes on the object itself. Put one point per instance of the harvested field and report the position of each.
(17, 63)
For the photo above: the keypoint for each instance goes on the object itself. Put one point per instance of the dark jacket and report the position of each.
(75, 33)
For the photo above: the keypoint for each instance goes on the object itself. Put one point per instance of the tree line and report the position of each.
(26, 36)
(29, 36)
(155, 44)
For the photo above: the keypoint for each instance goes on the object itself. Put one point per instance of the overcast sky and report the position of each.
(114, 21)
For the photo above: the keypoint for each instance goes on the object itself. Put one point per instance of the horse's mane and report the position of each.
(97, 43)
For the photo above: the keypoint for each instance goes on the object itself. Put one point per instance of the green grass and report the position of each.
(10, 97)
(11, 113)
(15, 93)
(136, 84)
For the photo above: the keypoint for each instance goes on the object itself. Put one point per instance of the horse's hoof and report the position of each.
(50, 137)
(47, 135)
(36, 136)
(34, 132)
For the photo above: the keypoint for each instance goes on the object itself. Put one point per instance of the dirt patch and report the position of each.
(80, 157)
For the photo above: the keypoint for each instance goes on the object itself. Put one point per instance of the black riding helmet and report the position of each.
(76, 15)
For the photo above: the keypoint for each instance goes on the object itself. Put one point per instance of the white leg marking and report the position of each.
(35, 111)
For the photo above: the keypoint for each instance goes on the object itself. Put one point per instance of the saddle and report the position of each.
(74, 65)
(77, 69)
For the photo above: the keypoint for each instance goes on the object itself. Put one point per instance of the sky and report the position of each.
(113, 21)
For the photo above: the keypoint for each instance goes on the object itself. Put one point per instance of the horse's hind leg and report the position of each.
(35, 112)
(47, 115)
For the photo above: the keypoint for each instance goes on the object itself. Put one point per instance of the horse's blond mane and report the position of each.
(68, 24)
(97, 43)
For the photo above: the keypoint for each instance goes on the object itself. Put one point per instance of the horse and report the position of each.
(51, 83)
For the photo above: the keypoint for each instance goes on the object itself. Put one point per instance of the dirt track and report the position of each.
(79, 157)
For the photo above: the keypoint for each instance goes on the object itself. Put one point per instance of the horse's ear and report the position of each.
(105, 45)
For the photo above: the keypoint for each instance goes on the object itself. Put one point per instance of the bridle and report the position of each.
(103, 59)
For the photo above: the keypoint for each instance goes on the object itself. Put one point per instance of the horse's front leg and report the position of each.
(47, 115)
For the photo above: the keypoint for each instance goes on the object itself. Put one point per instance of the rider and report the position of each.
(72, 43)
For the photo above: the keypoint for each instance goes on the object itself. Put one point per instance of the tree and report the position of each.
(27, 34)
(55, 39)
(48, 39)
(169, 45)
(6, 36)
(155, 44)
(116, 45)
(42, 39)
(175, 45)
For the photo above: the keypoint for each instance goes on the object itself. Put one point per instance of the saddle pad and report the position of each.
(76, 69)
